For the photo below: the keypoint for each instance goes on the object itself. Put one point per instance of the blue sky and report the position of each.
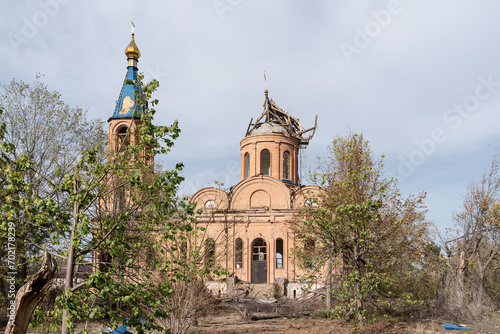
(421, 79)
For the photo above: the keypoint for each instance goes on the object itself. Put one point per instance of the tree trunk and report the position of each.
(357, 287)
(70, 263)
(29, 295)
(22, 268)
(329, 284)
(480, 291)
(359, 301)
(459, 294)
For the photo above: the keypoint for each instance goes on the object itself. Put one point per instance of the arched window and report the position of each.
(259, 252)
(123, 139)
(120, 197)
(184, 249)
(247, 165)
(183, 255)
(310, 250)
(150, 259)
(238, 253)
(209, 252)
(279, 253)
(286, 165)
(265, 162)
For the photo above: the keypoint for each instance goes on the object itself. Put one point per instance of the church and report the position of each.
(246, 230)
(247, 227)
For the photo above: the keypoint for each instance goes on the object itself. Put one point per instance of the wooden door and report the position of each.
(259, 261)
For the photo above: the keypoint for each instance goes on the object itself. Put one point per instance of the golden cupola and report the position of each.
(132, 52)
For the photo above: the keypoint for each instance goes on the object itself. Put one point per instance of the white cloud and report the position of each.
(395, 91)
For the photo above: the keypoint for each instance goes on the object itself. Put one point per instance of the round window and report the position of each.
(311, 202)
(210, 204)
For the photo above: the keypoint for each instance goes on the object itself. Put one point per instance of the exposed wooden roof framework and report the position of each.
(274, 114)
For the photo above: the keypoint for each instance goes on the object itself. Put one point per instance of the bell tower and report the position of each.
(123, 125)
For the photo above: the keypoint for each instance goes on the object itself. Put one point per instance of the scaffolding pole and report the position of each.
(302, 163)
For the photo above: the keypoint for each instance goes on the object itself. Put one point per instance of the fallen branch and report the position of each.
(265, 316)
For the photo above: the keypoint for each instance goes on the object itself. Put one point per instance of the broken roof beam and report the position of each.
(312, 128)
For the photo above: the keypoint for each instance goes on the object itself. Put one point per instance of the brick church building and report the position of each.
(247, 227)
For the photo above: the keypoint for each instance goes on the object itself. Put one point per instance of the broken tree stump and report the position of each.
(30, 295)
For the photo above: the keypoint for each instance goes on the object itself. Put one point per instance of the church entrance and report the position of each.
(259, 261)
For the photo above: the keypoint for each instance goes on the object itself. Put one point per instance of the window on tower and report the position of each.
(123, 139)
(286, 165)
(120, 197)
(265, 162)
(247, 165)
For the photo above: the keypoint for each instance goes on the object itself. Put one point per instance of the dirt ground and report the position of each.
(237, 318)
(233, 323)
(300, 316)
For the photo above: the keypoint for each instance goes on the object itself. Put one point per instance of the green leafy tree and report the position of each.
(40, 126)
(5, 162)
(118, 215)
(361, 223)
